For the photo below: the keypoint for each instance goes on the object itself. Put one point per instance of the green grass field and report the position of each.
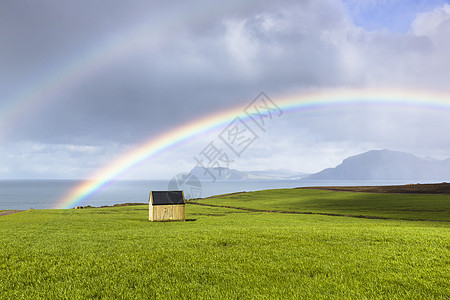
(401, 206)
(225, 253)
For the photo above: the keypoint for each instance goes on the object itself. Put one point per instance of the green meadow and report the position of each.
(397, 206)
(227, 253)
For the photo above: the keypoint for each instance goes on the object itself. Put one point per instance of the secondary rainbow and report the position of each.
(53, 83)
(289, 104)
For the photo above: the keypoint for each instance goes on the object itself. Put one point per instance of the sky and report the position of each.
(82, 83)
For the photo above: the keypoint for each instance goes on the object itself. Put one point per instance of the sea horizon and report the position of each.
(23, 194)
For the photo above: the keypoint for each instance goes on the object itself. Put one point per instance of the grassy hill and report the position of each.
(226, 253)
(382, 205)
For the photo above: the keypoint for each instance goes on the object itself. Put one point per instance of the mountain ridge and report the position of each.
(221, 173)
(386, 165)
(371, 165)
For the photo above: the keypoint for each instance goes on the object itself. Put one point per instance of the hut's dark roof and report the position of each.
(167, 197)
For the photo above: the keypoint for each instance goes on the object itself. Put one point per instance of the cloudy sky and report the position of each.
(84, 82)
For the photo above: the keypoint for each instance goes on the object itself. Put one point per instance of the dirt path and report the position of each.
(9, 212)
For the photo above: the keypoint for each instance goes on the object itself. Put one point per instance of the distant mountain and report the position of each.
(220, 173)
(275, 174)
(386, 165)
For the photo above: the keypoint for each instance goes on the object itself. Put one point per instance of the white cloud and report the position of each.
(433, 24)
(54, 161)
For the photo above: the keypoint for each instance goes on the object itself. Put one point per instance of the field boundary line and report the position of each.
(311, 213)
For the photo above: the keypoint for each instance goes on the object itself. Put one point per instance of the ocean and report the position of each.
(44, 194)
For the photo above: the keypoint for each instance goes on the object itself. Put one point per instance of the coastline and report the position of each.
(10, 212)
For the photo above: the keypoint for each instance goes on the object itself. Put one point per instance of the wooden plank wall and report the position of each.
(167, 212)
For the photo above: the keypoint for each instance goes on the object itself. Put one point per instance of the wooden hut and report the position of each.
(166, 206)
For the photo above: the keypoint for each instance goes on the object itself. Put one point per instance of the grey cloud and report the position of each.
(198, 59)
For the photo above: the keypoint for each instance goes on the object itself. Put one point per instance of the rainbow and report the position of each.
(289, 104)
(51, 84)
